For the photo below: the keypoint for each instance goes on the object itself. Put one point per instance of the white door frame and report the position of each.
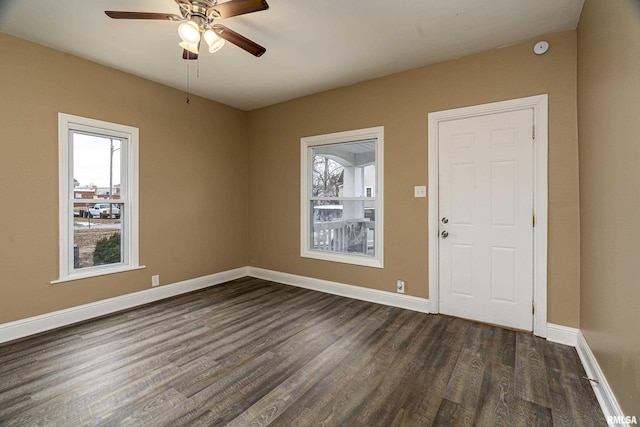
(539, 104)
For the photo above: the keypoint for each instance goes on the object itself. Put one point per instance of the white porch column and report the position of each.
(353, 186)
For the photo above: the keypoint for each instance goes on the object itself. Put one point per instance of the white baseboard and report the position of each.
(33, 325)
(604, 394)
(562, 334)
(44, 322)
(357, 292)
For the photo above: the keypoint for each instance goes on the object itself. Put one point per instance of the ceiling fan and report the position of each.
(199, 17)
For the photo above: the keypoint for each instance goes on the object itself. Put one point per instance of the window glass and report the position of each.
(97, 227)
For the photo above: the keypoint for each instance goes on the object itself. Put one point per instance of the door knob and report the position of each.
(445, 220)
(444, 234)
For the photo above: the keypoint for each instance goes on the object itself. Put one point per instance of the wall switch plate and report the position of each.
(155, 280)
(400, 286)
(420, 191)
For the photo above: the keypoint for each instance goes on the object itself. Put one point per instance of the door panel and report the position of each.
(504, 193)
(462, 277)
(504, 268)
(462, 185)
(486, 195)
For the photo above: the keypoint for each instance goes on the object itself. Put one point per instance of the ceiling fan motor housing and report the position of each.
(197, 11)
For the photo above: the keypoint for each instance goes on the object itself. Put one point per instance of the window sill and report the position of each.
(342, 258)
(90, 274)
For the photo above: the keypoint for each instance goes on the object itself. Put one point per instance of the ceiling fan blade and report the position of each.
(188, 55)
(237, 7)
(239, 40)
(143, 15)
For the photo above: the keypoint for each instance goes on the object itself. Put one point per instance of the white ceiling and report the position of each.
(312, 45)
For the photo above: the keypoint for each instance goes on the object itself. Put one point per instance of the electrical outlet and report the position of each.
(155, 280)
(400, 286)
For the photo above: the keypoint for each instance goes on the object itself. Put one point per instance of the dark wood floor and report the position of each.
(258, 353)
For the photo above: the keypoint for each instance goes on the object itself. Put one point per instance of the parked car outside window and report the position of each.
(104, 210)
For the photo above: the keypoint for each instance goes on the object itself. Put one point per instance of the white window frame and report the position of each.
(129, 135)
(306, 143)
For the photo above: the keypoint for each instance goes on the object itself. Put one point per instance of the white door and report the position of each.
(486, 218)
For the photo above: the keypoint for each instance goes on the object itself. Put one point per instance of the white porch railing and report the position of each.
(345, 235)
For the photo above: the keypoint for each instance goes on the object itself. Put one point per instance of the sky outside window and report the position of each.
(91, 158)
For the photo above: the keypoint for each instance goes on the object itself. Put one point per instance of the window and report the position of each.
(342, 198)
(98, 197)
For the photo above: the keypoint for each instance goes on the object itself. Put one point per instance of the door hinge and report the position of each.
(533, 307)
(533, 221)
(533, 132)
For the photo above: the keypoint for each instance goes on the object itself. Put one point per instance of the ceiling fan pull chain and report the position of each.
(188, 83)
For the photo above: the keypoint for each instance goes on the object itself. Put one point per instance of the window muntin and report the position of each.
(98, 197)
(341, 202)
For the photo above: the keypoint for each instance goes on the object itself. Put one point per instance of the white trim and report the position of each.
(602, 390)
(539, 104)
(34, 325)
(357, 292)
(376, 133)
(562, 334)
(45, 322)
(88, 274)
(574, 338)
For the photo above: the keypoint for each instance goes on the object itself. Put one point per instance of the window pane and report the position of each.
(96, 165)
(343, 170)
(97, 232)
(327, 177)
(343, 226)
(97, 229)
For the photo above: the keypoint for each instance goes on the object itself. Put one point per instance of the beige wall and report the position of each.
(609, 127)
(193, 177)
(401, 103)
(197, 186)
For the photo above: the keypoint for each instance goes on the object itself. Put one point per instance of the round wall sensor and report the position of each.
(541, 47)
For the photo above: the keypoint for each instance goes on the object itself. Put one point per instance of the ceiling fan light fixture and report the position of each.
(189, 32)
(213, 40)
(216, 46)
(191, 47)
